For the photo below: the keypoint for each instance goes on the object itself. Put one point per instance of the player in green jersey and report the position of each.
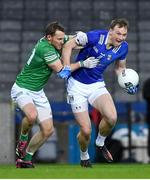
(27, 91)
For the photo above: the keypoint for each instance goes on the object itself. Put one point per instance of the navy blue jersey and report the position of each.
(96, 47)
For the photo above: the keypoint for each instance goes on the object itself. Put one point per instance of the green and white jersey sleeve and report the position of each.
(51, 55)
(36, 71)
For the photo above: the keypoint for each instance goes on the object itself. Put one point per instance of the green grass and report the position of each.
(61, 171)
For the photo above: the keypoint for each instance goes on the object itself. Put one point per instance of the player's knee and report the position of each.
(112, 120)
(32, 117)
(48, 131)
(86, 131)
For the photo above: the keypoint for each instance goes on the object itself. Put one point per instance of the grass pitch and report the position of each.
(61, 171)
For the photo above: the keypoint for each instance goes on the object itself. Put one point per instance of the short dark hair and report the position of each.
(51, 28)
(121, 22)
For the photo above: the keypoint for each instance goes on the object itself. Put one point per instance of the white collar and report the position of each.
(106, 40)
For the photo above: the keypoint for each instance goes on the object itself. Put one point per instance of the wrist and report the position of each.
(81, 63)
(58, 71)
(67, 67)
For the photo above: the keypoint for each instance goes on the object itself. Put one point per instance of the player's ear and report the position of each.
(49, 37)
(110, 31)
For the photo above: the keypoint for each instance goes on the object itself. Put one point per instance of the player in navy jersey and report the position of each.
(88, 86)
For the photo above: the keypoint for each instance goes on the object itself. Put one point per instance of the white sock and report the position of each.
(84, 155)
(100, 140)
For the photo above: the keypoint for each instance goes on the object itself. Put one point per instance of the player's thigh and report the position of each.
(43, 106)
(30, 111)
(105, 105)
(20, 96)
(24, 101)
(83, 119)
(81, 114)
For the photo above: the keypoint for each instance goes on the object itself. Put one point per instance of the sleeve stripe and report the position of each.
(51, 58)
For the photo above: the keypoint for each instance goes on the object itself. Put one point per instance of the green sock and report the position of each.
(24, 137)
(28, 157)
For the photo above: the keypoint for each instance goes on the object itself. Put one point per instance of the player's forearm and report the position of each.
(75, 66)
(120, 66)
(66, 55)
(119, 70)
(67, 50)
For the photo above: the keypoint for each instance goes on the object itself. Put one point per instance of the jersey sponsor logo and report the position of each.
(109, 56)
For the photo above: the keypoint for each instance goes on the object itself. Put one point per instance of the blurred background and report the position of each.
(22, 23)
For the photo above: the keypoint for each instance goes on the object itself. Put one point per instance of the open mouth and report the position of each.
(118, 41)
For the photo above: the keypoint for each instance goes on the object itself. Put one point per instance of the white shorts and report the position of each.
(79, 94)
(22, 97)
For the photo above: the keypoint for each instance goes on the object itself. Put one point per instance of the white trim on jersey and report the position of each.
(106, 40)
(101, 39)
(95, 49)
(116, 49)
(50, 58)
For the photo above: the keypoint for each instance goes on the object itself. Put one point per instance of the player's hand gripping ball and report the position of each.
(128, 79)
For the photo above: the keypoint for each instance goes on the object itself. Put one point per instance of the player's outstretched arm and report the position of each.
(75, 43)
(90, 62)
(120, 66)
(129, 88)
(65, 71)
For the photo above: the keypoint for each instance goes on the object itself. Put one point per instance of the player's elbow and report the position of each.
(71, 44)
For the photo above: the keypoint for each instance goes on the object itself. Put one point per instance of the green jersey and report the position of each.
(36, 71)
